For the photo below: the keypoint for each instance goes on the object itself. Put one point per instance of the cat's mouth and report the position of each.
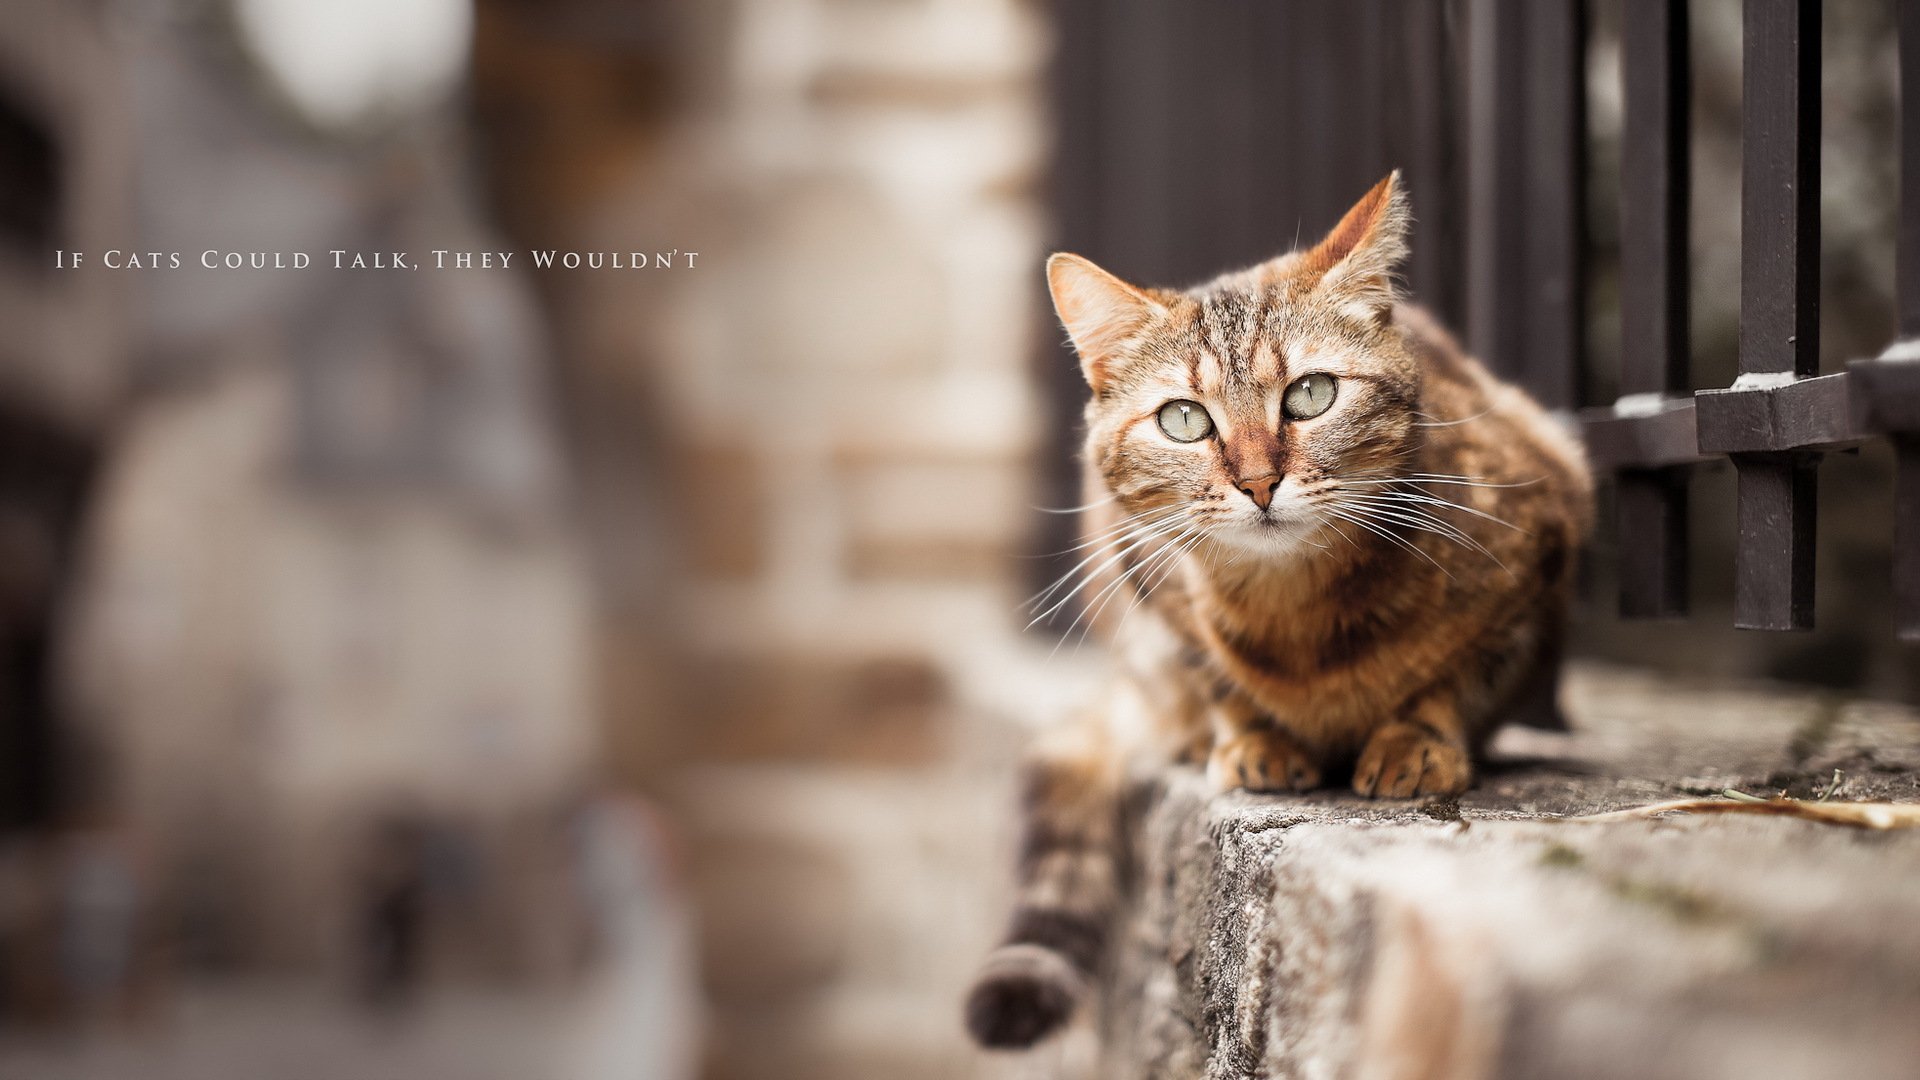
(1293, 515)
(1271, 532)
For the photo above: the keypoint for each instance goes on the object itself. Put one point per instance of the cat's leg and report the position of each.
(1251, 751)
(1423, 754)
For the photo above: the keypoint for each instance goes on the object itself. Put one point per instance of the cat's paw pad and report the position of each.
(1262, 761)
(1405, 760)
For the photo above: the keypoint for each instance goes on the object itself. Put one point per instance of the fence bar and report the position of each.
(1773, 566)
(1497, 183)
(1907, 269)
(1075, 196)
(1779, 303)
(1650, 508)
(1655, 184)
(1906, 495)
(1885, 391)
(1885, 396)
(1553, 362)
(1780, 190)
(1427, 143)
(1906, 536)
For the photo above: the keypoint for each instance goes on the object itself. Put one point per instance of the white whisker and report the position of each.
(1168, 568)
(1074, 509)
(1387, 535)
(1090, 611)
(1094, 539)
(1431, 422)
(1155, 531)
(1430, 499)
(1133, 531)
(1143, 568)
(1424, 522)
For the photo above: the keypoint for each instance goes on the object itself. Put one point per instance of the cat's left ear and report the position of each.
(1357, 260)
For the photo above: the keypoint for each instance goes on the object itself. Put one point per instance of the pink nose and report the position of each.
(1260, 489)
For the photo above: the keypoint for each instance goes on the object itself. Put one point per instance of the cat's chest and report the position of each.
(1312, 663)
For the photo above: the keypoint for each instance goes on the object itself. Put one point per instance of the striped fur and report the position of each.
(1067, 889)
(1403, 590)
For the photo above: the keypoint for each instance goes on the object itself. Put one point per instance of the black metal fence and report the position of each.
(1269, 117)
(1780, 415)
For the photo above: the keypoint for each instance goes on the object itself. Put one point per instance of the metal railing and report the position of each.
(1780, 415)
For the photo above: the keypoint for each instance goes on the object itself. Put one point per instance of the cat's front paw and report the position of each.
(1403, 760)
(1262, 760)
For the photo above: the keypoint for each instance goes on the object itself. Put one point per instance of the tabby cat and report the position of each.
(1334, 548)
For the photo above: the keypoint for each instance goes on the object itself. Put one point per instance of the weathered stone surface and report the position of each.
(1326, 936)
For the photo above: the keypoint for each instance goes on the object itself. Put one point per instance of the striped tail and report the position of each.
(1068, 890)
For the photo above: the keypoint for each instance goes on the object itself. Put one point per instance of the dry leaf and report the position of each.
(1862, 815)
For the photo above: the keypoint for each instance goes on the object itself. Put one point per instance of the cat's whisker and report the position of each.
(1470, 481)
(1187, 549)
(1085, 573)
(1096, 538)
(1167, 569)
(1308, 539)
(1427, 498)
(1405, 512)
(1131, 532)
(1089, 578)
(1234, 559)
(1413, 519)
(1387, 534)
(1075, 509)
(1432, 422)
(1342, 534)
(1152, 533)
(1445, 533)
(1174, 552)
(1090, 611)
(1436, 478)
(1424, 522)
(1407, 506)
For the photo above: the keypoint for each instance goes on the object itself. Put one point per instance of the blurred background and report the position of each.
(513, 673)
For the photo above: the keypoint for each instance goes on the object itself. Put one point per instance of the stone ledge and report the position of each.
(1328, 936)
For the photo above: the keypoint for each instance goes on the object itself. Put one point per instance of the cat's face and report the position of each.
(1247, 410)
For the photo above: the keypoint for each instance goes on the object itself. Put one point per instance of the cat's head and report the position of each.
(1240, 407)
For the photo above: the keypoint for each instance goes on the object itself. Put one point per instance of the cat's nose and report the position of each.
(1260, 489)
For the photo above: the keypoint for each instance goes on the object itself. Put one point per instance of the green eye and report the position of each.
(1308, 397)
(1185, 421)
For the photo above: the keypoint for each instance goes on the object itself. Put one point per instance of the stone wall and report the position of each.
(851, 374)
(812, 646)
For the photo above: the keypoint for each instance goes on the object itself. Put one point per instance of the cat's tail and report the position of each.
(1068, 889)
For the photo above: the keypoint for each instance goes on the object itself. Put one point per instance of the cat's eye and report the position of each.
(1308, 396)
(1185, 421)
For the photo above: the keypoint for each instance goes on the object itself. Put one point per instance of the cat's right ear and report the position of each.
(1099, 310)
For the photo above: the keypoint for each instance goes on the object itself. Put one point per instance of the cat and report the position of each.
(1342, 550)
